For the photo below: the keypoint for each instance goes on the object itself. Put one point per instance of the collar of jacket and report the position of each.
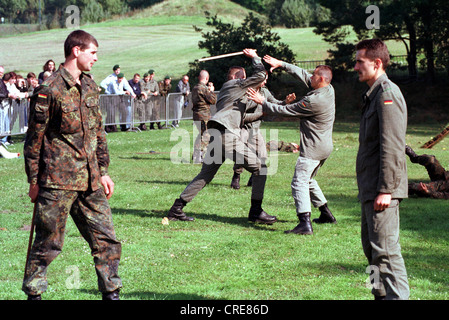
(67, 76)
(372, 91)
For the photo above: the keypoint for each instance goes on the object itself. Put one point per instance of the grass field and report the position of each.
(220, 256)
(160, 38)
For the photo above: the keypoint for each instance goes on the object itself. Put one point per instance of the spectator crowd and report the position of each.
(145, 91)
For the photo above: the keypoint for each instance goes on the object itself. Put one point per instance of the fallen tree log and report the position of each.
(429, 144)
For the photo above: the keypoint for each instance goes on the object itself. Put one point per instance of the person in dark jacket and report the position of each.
(438, 187)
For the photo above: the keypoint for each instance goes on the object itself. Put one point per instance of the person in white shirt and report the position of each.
(112, 78)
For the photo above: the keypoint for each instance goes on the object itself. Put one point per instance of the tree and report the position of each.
(420, 25)
(227, 38)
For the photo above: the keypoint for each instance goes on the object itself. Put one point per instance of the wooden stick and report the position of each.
(30, 240)
(221, 56)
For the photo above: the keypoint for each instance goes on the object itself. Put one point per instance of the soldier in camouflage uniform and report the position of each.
(438, 188)
(202, 97)
(165, 86)
(164, 90)
(66, 161)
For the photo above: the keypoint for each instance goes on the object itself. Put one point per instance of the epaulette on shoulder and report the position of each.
(386, 85)
(41, 92)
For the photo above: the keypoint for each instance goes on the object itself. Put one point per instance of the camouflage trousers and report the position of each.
(439, 186)
(202, 139)
(92, 216)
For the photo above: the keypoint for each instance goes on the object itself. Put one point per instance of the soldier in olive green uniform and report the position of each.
(251, 131)
(150, 104)
(316, 113)
(202, 97)
(381, 170)
(66, 161)
(224, 129)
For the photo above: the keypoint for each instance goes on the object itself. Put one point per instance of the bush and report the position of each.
(227, 38)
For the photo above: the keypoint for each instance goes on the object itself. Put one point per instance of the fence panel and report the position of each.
(13, 117)
(116, 109)
(179, 107)
(151, 110)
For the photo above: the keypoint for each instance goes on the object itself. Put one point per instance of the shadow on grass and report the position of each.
(238, 221)
(186, 182)
(145, 158)
(139, 295)
(142, 295)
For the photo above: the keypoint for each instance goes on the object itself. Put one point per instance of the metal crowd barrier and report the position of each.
(117, 110)
(13, 117)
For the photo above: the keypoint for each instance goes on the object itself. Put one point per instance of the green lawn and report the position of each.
(220, 255)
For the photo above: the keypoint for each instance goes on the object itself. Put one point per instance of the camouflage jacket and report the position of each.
(164, 89)
(202, 98)
(149, 87)
(65, 146)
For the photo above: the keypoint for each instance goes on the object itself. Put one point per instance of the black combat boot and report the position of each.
(176, 212)
(326, 215)
(304, 226)
(412, 155)
(34, 297)
(256, 213)
(114, 295)
(250, 181)
(235, 183)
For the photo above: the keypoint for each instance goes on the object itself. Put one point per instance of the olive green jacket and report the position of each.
(316, 113)
(381, 164)
(232, 99)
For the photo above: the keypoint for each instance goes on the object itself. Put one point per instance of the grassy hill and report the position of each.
(160, 37)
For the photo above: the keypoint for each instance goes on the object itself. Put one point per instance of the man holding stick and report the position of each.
(66, 161)
(316, 112)
(225, 143)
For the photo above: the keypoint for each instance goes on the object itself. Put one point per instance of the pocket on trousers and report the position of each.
(49, 194)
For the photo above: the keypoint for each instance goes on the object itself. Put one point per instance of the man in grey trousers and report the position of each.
(226, 143)
(316, 112)
(381, 171)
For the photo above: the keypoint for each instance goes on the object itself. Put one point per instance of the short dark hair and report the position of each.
(78, 38)
(324, 71)
(375, 49)
(234, 70)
